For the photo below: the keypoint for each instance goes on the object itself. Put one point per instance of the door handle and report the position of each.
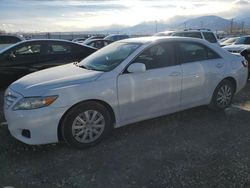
(175, 74)
(219, 65)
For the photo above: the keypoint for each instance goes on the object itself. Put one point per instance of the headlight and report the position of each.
(29, 103)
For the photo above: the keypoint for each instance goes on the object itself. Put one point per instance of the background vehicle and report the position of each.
(97, 43)
(79, 40)
(239, 45)
(8, 40)
(205, 34)
(116, 37)
(229, 41)
(33, 55)
(93, 37)
(246, 53)
(125, 82)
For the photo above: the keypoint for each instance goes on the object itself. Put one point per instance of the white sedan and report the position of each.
(125, 82)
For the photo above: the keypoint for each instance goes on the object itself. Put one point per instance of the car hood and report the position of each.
(236, 47)
(41, 82)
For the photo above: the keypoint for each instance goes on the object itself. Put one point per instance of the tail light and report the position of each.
(244, 63)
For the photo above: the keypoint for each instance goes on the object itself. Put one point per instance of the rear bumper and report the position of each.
(242, 77)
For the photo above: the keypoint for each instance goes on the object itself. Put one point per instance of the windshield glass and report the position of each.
(241, 40)
(230, 40)
(106, 59)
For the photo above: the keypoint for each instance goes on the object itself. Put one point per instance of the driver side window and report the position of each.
(157, 56)
(30, 49)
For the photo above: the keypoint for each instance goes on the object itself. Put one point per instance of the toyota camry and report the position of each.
(128, 81)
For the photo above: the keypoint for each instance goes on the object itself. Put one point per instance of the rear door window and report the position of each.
(59, 48)
(191, 52)
(209, 37)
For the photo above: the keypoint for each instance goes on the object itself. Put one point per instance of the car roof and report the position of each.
(244, 36)
(116, 35)
(145, 40)
(92, 40)
(10, 35)
(42, 40)
(53, 40)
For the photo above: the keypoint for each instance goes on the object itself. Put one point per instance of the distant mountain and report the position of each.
(214, 23)
(243, 20)
(209, 22)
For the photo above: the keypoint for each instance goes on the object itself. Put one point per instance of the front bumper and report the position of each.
(41, 123)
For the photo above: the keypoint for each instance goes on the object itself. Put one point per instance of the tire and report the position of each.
(222, 96)
(86, 125)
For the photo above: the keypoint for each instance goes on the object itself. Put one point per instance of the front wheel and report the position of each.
(223, 95)
(86, 124)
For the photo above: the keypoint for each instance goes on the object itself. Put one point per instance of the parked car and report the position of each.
(94, 37)
(116, 37)
(79, 40)
(33, 55)
(8, 40)
(229, 41)
(239, 45)
(205, 34)
(125, 82)
(97, 43)
(223, 39)
(246, 53)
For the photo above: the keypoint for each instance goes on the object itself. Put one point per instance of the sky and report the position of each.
(84, 15)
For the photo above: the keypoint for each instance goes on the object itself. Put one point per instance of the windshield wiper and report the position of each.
(83, 66)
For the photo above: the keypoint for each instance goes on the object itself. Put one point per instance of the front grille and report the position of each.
(9, 99)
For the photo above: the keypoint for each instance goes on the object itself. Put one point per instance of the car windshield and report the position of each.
(106, 59)
(243, 40)
(230, 40)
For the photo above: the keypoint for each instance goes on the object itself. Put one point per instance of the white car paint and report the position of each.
(133, 96)
(236, 48)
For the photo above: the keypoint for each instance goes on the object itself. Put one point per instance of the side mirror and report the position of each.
(136, 68)
(12, 55)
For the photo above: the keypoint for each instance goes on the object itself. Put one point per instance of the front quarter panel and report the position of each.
(103, 89)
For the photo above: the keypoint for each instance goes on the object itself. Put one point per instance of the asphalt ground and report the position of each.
(193, 148)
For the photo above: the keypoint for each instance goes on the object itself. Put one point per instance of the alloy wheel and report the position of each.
(88, 126)
(224, 96)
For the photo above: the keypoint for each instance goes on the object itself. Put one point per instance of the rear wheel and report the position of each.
(223, 95)
(86, 124)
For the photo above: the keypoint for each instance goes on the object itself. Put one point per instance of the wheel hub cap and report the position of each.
(224, 96)
(88, 126)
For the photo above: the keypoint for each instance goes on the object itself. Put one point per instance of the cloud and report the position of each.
(241, 2)
(66, 15)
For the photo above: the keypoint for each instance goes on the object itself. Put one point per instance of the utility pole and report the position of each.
(242, 27)
(156, 26)
(231, 26)
(201, 24)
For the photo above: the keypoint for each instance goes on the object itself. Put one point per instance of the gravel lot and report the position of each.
(193, 148)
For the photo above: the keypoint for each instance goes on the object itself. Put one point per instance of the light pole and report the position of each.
(156, 26)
